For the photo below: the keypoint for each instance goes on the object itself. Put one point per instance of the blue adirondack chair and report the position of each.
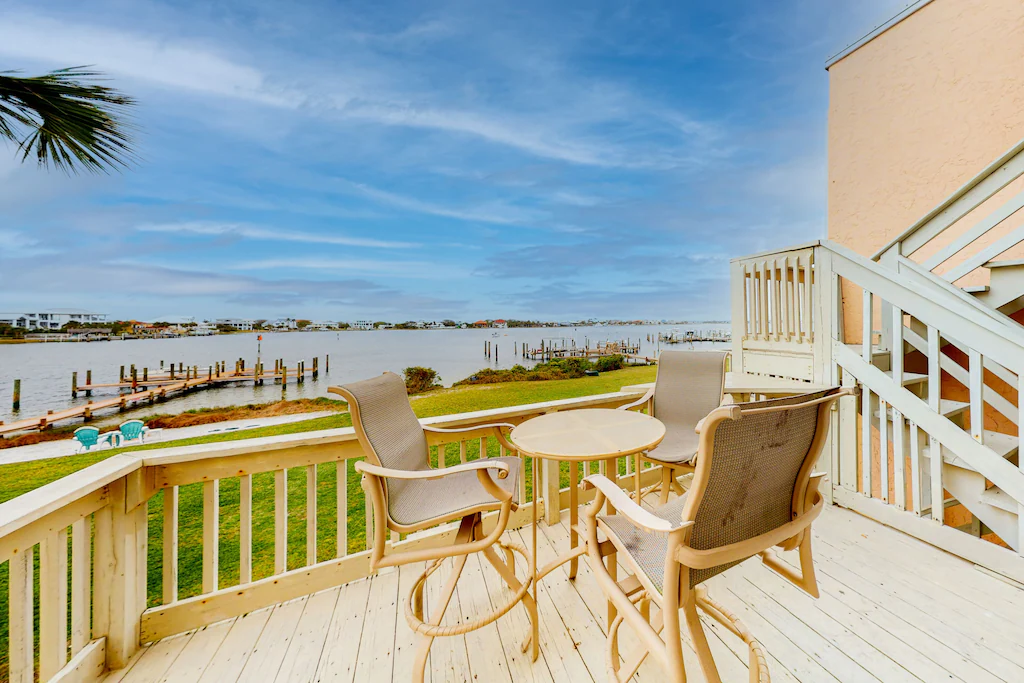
(88, 437)
(132, 430)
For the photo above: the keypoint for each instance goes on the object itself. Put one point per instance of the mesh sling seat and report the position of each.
(408, 495)
(688, 386)
(753, 490)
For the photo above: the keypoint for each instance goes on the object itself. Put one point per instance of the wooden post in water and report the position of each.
(181, 367)
(195, 372)
(122, 375)
(172, 370)
(145, 375)
(284, 379)
(495, 353)
(88, 381)
(209, 374)
(16, 402)
(316, 370)
(74, 385)
(135, 379)
(327, 363)
(87, 412)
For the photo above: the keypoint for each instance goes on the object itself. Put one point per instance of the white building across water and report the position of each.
(51, 318)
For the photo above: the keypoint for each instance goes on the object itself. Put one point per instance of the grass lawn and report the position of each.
(19, 478)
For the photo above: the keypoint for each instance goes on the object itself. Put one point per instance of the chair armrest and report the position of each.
(364, 467)
(457, 430)
(640, 401)
(625, 506)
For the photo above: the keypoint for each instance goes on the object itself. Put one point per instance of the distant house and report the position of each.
(236, 323)
(51, 318)
(282, 324)
(481, 323)
(203, 329)
(363, 325)
(499, 323)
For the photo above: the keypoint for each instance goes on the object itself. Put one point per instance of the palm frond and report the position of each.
(71, 123)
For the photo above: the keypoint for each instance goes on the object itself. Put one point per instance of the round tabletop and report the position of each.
(590, 434)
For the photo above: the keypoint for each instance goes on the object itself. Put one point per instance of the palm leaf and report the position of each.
(71, 123)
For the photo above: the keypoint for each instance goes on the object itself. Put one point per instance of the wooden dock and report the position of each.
(161, 387)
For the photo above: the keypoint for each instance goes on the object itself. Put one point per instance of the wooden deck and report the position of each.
(892, 609)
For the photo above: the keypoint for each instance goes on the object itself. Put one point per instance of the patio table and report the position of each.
(575, 436)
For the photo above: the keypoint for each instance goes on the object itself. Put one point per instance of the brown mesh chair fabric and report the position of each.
(749, 492)
(688, 387)
(397, 438)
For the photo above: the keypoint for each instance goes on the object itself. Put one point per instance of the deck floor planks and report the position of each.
(344, 634)
(201, 648)
(886, 604)
(307, 645)
(232, 654)
(375, 659)
(266, 657)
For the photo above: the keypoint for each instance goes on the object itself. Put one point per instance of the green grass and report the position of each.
(20, 478)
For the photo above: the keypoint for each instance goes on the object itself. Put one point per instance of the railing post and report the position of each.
(21, 666)
(742, 324)
(117, 561)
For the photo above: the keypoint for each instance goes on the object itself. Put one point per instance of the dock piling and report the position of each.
(16, 403)
(327, 364)
(88, 381)
(284, 380)
(145, 374)
(122, 375)
(74, 385)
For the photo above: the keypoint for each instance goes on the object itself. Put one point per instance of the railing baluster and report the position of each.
(883, 450)
(245, 529)
(808, 293)
(934, 447)
(170, 550)
(53, 603)
(342, 503)
(310, 514)
(764, 300)
(462, 451)
(977, 387)
(915, 468)
(211, 535)
(81, 575)
(280, 521)
(786, 300)
(899, 460)
(483, 446)
(21, 606)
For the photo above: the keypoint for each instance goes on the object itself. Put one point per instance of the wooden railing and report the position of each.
(278, 518)
(895, 455)
(968, 229)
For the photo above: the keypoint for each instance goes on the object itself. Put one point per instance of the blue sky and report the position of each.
(423, 160)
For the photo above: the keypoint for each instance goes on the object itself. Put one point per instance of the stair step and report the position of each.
(979, 289)
(947, 407)
(1005, 445)
(998, 498)
(910, 377)
(1009, 263)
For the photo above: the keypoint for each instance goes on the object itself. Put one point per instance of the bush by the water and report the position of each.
(557, 368)
(419, 380)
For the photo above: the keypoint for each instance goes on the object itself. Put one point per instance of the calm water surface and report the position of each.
(45, 369)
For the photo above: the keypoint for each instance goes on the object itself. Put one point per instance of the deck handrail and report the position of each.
(106, 506)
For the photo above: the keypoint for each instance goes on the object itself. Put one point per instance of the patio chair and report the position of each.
(753, 489)
(688, 386)
(408, 495)
(89, 437)
(133, 429)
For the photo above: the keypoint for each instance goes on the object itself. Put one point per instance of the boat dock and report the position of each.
(690, 336)
(144, 388)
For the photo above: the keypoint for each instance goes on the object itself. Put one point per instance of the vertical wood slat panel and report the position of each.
(170, 550)
(245, 529)
(21, 606)
(934, 447)
(280, 521)
(883, 448)
(211, 535)
(81, 579)
(341, 482)
(53, 603)
(311, 514)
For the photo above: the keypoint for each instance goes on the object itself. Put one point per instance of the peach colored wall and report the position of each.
(915, 113)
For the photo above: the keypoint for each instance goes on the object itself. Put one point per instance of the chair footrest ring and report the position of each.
(437, 630)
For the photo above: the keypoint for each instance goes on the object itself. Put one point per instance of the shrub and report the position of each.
(607, 363)
(419, 379)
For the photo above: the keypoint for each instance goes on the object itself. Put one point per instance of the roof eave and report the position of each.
(875, 32)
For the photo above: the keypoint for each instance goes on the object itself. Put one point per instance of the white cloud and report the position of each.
(429, 270)
(495, 212)
(254, 232)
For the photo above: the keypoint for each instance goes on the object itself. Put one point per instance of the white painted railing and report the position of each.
(124, 518)
(884, 454)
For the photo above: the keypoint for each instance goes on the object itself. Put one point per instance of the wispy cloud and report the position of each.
(495, 212)
(254, 232)
(417, 270)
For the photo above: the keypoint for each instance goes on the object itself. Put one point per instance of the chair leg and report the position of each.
(446, 597)
(666, 484)
(508, 575)
(699, 640)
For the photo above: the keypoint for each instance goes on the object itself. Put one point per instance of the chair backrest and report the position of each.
(752, 471)
(87, 436)
(132, 429)
(688, 386)
(388, 429)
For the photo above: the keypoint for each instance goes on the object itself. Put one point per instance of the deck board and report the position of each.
(892, 609)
